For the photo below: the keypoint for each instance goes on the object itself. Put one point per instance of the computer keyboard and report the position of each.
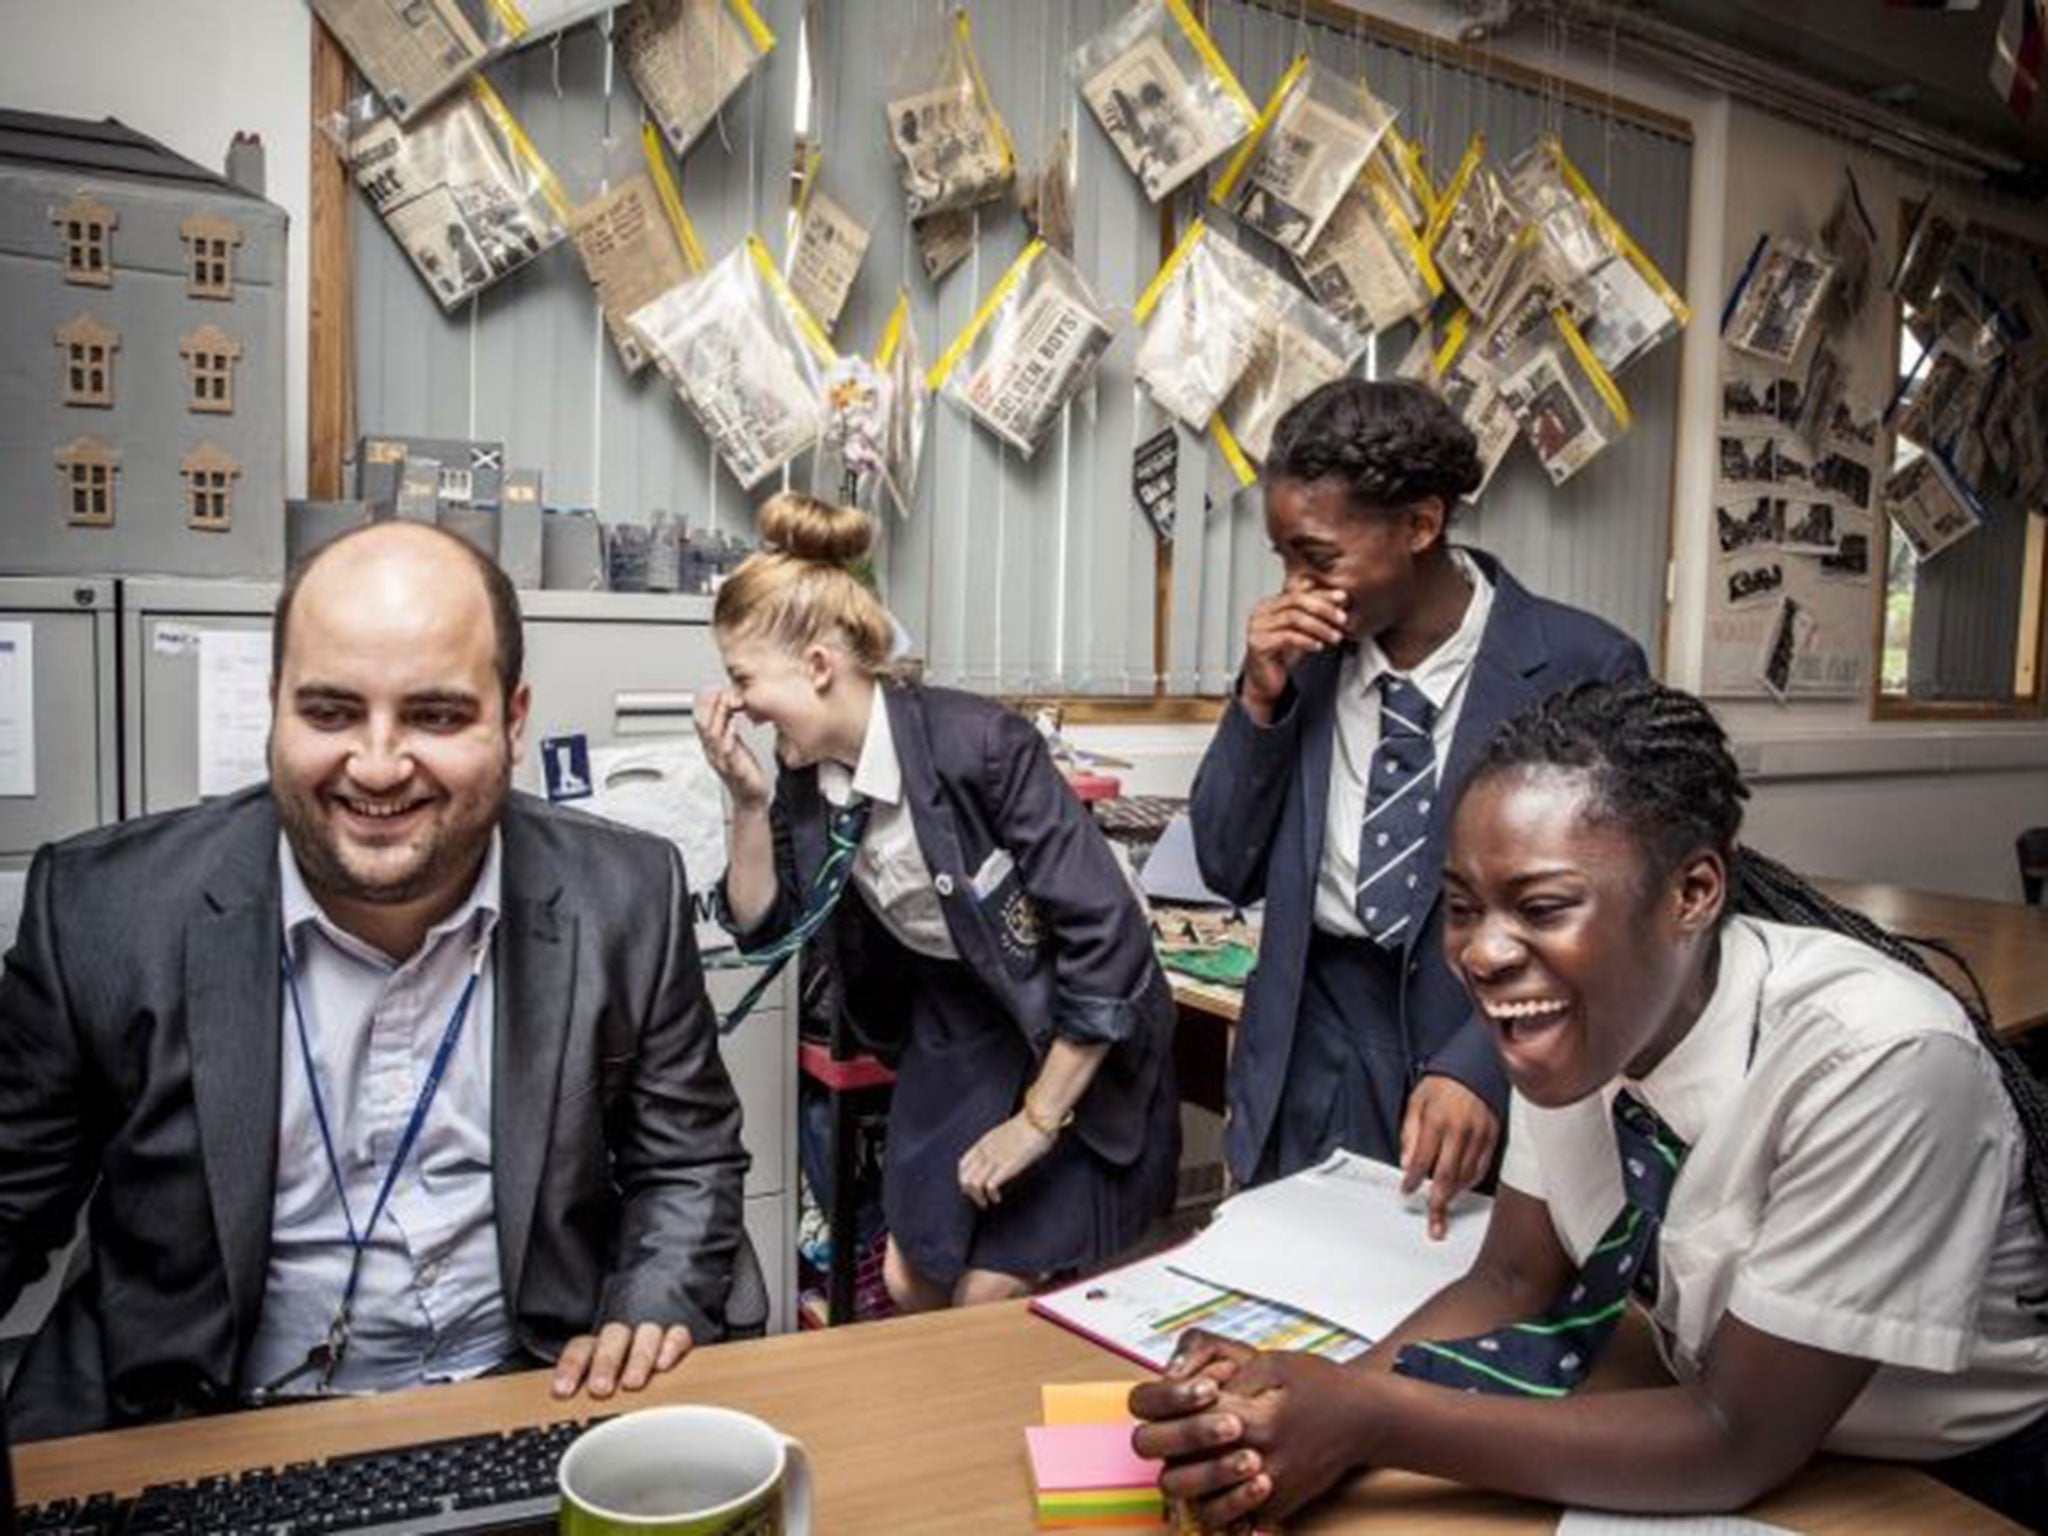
(500, 1484)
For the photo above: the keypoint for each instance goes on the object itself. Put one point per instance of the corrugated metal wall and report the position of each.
(1012, 574)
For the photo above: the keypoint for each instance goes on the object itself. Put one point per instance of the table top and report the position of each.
(2005, 942)
(915, 1428)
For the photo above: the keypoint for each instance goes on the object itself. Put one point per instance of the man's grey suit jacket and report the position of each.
(139, 1067)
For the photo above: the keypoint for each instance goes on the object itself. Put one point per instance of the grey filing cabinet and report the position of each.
(609, 665)
(77, 781)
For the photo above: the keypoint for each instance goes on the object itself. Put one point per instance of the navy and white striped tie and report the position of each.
(1400, 786)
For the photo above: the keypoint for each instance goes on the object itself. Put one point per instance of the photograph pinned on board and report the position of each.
(1849, 561)
(1752, 525)
(1791, 633)
(1790, 466)
(1747, 460)
(1151, 112)
(1754, 581)
(1775, 303)
(1811, 527)
(1839, 475)
(1745, 400)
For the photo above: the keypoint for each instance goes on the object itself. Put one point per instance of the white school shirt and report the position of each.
(1859, 1188)
(1442, 676)
(889, 871)
(430, 1305)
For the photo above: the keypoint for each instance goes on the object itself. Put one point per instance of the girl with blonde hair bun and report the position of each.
(994, 950)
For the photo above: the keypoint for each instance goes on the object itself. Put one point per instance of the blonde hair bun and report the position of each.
(808, 528)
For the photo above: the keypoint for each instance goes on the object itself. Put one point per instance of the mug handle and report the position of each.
(797, 1488)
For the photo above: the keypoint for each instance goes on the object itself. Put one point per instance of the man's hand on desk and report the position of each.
(1448, 1136)
(1248, 1436)
(618, 1356)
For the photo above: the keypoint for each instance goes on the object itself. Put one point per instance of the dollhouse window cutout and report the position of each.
(87, 467)
(209, 488)
(86, 228)
(210, 242)
(210, 354)
(88, 346)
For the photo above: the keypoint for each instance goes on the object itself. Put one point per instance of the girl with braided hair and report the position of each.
(1752, 1111)
(1371, 680)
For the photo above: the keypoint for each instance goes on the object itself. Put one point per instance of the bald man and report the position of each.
(377, 1075)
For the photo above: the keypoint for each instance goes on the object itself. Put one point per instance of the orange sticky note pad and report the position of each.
(1087, 1402)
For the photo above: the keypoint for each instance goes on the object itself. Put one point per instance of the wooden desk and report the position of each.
(914, 1428)
(2005, 942)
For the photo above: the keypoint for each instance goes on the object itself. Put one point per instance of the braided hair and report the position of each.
(1391, 442)
(1659, 764)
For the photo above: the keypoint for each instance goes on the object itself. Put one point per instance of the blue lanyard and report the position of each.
(326, 1355)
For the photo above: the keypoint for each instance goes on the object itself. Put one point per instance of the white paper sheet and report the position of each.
(1588, 1522)
(664, 786)
(1170, 872)
(234, 708)
(17, 708)
(1338, 1240)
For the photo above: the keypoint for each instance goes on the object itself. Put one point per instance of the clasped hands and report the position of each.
(1249, 1437)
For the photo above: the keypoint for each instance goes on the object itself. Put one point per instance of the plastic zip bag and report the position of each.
(901, 358)
(1473, 237)
(636, 243)
(1569, 408)
(1573, 241)
(462, 189)
(688, 57)
(1407, 177)
(1201, 318)
(1163, 94)
(1031, 347)
(745, 357)
(1368, 267)
(412, 54)
(1936, 233)
(827, 250)
(1301, 348)
(1445, 357)
(1308, 148)
(952, 149)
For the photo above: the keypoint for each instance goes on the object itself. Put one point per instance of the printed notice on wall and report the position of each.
(234, 708)
(17, 708)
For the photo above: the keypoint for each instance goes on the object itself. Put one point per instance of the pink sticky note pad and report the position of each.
(1065, 1456)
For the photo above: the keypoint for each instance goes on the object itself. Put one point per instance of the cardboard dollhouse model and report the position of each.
(142, 361)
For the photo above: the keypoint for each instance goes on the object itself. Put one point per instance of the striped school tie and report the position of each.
(1400, 785)
(1550, 1354)
(844, 827)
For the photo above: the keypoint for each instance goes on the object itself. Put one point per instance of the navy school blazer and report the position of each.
(1058, 939)
(1260, 799)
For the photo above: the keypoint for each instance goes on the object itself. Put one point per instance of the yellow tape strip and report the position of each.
(1456, 329)
(756, 28)
(1397, 221)
(1617, 236)
(1220, 193)
(964, 33)
(1416, 169)
(1233, 451)
(892, 330)
(811, 331)
(1475, 150)
(950, 359)
(1150, 297)
(511, 18)
(812, 162)
(1602, 380)
(1205, 49)
(522, 146)
(671, 199)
